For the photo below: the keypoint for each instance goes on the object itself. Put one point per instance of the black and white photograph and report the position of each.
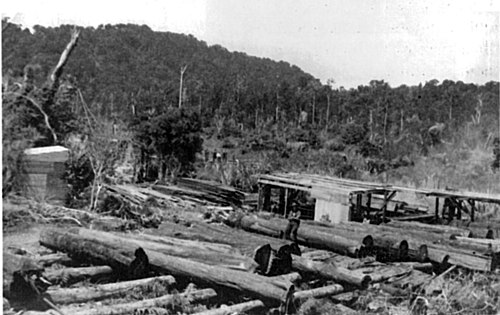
(230, 157)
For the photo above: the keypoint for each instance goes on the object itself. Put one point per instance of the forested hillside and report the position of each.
(124, 74)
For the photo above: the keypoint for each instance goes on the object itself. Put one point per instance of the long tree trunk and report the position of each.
(208, 253)
(103, 291)
(120, 256)
(128, 308)
(421, 245)
(308, 236)
(248, 242)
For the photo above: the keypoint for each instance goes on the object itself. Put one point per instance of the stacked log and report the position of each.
(432, 243)
(120, 256)
(446, 231)
(248, 242)
(353, 238)
(208, 253)
(345, 243)
(254, 305)
(338, 267)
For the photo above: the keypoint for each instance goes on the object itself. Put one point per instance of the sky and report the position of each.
(350, 41)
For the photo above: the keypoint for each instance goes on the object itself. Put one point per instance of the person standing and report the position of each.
(293, 224)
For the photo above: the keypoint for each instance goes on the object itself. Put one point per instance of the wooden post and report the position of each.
(368, 204)
(473, 209)
(437, 208)
(286, 202)
(384, 207)
(359, 199)
(282, 201)
(267, 197)
(260, 202)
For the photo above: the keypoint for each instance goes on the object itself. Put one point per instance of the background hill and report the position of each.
(121, 73)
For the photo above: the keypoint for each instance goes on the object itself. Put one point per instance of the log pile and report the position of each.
(213, 262)
(235, 260)
(393, 242)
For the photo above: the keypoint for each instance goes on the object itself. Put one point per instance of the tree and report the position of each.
(173, 136)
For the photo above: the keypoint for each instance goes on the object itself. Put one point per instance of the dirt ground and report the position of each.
(25, 239)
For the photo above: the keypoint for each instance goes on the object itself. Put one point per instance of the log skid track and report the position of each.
(231, 261)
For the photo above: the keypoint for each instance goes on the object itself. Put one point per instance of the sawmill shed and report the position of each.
(339, 200)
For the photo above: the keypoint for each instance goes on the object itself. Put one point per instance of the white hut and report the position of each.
(45, 168)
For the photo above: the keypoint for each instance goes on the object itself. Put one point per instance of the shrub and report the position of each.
(352, 133)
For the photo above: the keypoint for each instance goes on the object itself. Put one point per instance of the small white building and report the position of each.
(45, 167)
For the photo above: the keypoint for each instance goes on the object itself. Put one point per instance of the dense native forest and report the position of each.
(167, 92)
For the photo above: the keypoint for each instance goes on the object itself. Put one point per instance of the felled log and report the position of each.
(292, 277)
(235, 309)
(423, 245)
(308, 236)
(120, 256)
(330, 271)
(383, 272)
(245, 242)
(126, 308)
(446, 231)
(208, 253)
(248, 242)
(488, 230)
(389, 243)
(56, 258)
(71, 274)
(417, 265)
(444, 254)
(484, 244)
(318, 292)
(103, 291)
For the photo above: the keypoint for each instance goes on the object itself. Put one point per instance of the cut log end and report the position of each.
(403, 250)
(423, 253)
